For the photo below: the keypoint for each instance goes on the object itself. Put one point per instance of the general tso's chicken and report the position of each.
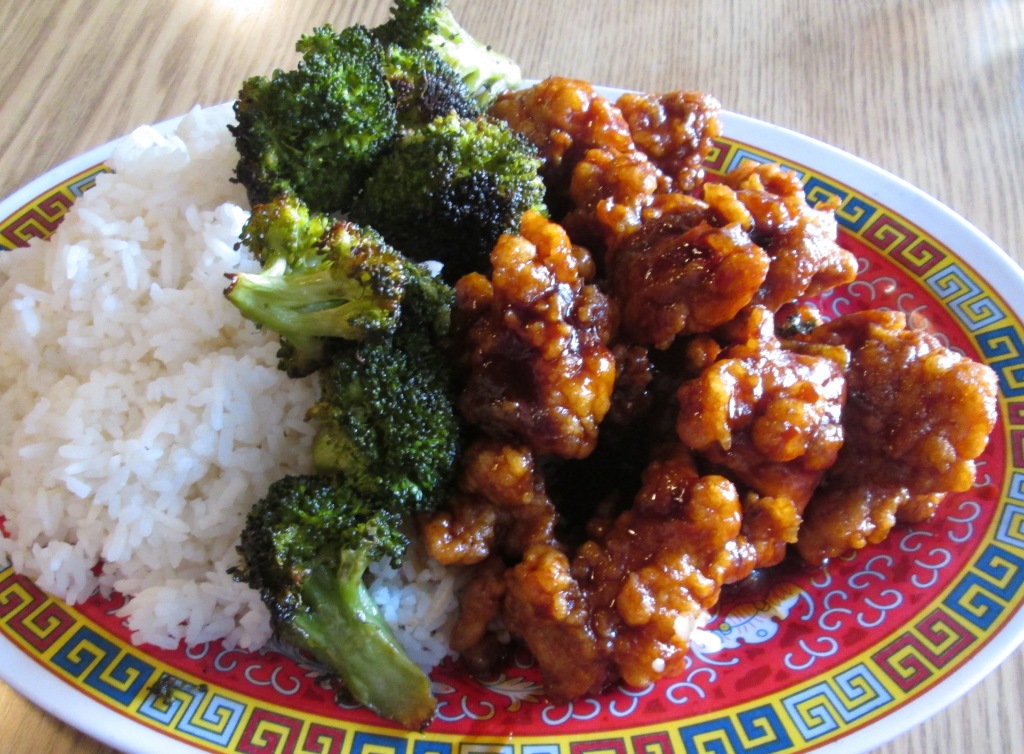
(610, 191)
(564, 118)
(539, 370)
(801, 240)
(658, 405)
(770, 418)
(680, 275)
(500, 507)
(676, 130)
(625, 605)
(918, 415)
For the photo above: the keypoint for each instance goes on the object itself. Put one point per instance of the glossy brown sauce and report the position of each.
(657, 410)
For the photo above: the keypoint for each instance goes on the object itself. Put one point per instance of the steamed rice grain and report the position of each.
(143, 415)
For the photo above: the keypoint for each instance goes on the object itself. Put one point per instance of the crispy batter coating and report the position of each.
(546, 608)
(680, 275)
(847, 518)
(501, 506)
(676, 130)
(564, 118)
(657, 571)
(612, 186)
(627, 603)
(480, 605)
(771, 418)
(918, 415)
(610, 191)
(680, 265)
(769, 415)
(632, 397)
(800, 239)
(539, 368)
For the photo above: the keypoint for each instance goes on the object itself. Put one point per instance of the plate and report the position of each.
(841, 659)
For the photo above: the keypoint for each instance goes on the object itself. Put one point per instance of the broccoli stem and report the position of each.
(346, 631)
(485, 71)
(314, 304)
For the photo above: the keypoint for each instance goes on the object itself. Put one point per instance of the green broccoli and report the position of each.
(425, 87)
(318, 129)
(284, 232)
(319, 280)
(430, 25)
(305, 548)
(447, 191)
(376, 327)
(386, 412)
(422, 84)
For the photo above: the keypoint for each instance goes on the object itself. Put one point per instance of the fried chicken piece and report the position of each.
(918, 415)
(676, 130)
(652, 577)
(563, 118)
(919, 508)
(540, 371)
(846, 518)
(770, 417)
(500, 506)
(610, 191)
(480, 604)
(679, 274)
(682, 265)
(545, 607)
(463, 532)
(611, 187)
(801, 240)
(769, 414)
(624, 606)
(500, 511)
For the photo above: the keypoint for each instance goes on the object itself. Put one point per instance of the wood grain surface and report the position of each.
(930, 90)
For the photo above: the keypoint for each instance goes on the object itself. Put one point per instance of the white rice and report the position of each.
(142, 415)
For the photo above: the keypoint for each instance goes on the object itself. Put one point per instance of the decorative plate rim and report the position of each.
(69, 703)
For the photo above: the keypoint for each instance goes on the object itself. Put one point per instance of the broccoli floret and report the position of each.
(386, 410)
(448, 190)
(376, 326)
(284, 231)
(316, 130)
(426, 87)
(305, 548)
(430, 25)
(320, 279)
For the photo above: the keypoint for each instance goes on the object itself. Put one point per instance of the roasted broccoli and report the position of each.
(430, 25)
(376, 326)
(345, 282)
(447, 191)
(316, 130)
(425, 87)
(387, 409)
(283, 232)
(305, 548)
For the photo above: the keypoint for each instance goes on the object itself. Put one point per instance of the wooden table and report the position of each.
(930, 90)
